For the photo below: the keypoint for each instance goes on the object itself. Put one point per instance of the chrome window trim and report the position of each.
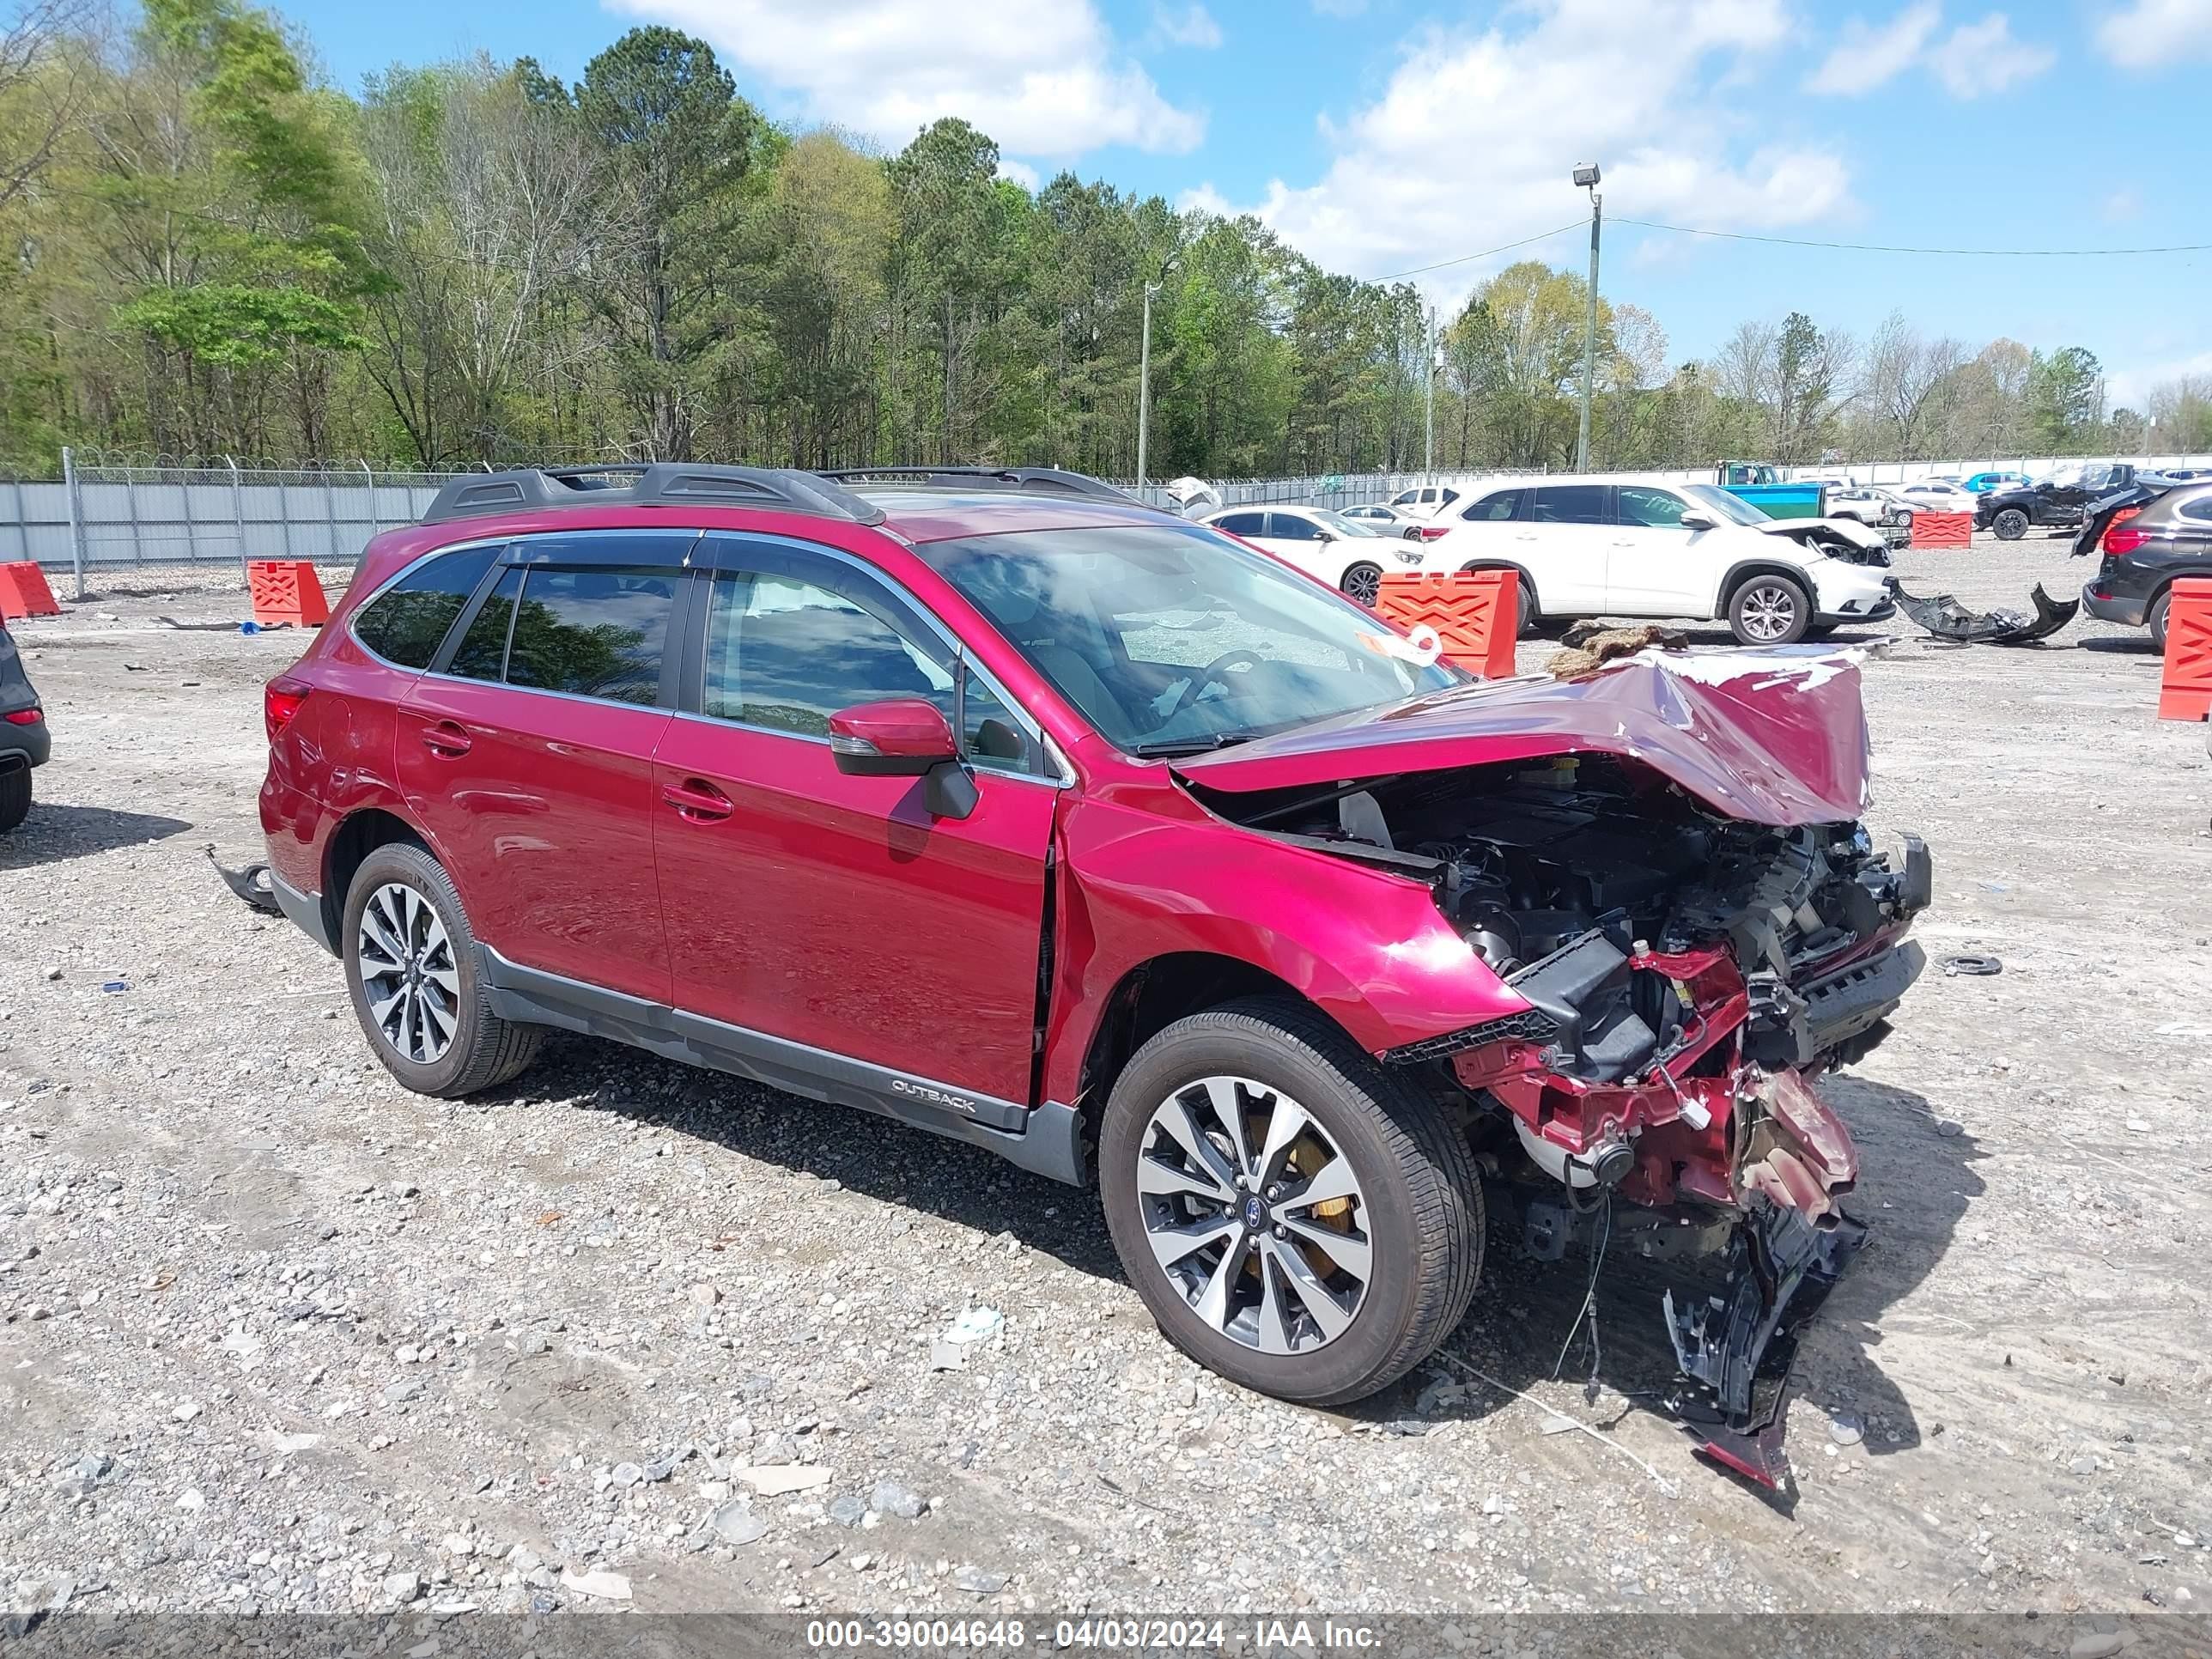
(722, 724)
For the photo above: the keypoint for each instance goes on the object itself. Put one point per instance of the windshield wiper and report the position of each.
(1167, 748)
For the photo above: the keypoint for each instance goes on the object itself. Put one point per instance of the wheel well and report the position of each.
(1152, 996)
(352, 842)
(1736, 578)
(1522, 582)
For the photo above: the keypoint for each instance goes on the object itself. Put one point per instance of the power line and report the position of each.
(1464, 257)
(1960, 253)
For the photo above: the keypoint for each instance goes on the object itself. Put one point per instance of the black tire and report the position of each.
(1420, 1202)
(484, 1050)
(1529, 618)
(14, 798)
(1760, 601)
(2155, 620)
(2011, 524)
(1363, 584)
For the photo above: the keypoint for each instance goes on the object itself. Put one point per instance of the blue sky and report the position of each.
(1382, 135)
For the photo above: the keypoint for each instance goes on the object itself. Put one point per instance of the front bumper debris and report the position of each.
(1734, 1349)
(1947, 619)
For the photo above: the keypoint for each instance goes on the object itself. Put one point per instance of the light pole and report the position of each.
(1588, 177)
(1429, 418)
(1145, 373)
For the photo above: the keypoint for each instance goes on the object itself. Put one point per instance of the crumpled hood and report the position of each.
(1850, 529)
(1770, 737)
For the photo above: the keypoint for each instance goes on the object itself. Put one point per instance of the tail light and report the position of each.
(2116, 540)
(23, 717)
(280, 700)
(1430, 532)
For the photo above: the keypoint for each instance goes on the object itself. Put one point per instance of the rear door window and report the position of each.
(408, 621)
(2200, 509)
(1571, 504)
(1242, 524)
(1496, 507)
(592, 632)
(482, 652)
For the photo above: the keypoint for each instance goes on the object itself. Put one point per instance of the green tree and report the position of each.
(2065, 397)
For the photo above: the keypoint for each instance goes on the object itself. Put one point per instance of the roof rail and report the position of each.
(1033, 478)
(657, 484)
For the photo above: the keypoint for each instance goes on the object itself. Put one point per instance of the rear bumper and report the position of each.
(2128, 610)
(24, 745)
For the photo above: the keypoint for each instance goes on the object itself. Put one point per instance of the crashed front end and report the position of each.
(1680, 894)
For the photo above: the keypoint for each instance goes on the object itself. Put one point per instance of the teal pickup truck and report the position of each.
(1764, 489)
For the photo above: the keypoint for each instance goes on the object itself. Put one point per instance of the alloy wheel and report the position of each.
(1769, 611)
(408, 974)
(1255, 1214)
(1363, 584)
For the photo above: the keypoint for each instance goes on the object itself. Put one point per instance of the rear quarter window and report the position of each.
(407, 621)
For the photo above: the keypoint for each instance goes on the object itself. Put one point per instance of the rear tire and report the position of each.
(419, 995)
(2010, 525)
(14, 798)
(1412, 1229)
(1527, 619)
(2156, 621)
(1770, 611)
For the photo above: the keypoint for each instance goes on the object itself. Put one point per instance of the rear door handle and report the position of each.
(697, 801)
(447, 739)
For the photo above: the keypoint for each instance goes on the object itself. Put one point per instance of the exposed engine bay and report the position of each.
(1685, 974)
(1854, 545)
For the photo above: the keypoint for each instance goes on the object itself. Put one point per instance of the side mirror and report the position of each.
(1326, 535)
(898, 738)
(1697, 522)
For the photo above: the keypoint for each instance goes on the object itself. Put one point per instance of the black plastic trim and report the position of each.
(1045, 1140)
(1050, 479)
(304, 911)
(657, 483)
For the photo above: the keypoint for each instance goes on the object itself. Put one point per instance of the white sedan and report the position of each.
(1348, 554)
(1606, 547)
(1937, 496)
(1391, 520)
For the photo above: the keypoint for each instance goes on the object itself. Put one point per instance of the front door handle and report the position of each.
(446, 738)
(697, 801)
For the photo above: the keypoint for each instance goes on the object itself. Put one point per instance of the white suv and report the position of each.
(1608, 547)
(1351, 555)
(1427, 501)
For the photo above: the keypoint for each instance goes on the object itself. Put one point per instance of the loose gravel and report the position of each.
(279, 1336)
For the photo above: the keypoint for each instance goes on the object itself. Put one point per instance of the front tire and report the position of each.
(1294, 1216)
(2010, 525)
(14, 798)
(417, 983)
(1770, 611)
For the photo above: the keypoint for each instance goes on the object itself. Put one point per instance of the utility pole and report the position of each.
(1144, 369)
(1588, 177)
(1429, 464)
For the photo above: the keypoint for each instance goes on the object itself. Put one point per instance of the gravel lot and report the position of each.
(280, 1336)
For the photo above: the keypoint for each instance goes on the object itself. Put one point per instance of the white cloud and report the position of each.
(2131, 387)
(1866, 57)
(2150, 33)
(1471, 143)
(2123, 204)
(1020, 172)
(1976, 58)
(1193, 28)
(1042, 77)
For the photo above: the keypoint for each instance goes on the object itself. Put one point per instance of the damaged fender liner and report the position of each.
(1737, 1349)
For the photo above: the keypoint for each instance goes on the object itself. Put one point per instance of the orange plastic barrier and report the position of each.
(24, 593)
(1942, 530)
(1476, 613)
(286, 591)
(2184, 691)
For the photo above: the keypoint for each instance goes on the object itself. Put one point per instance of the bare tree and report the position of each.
(44, 82)
(1904, 380)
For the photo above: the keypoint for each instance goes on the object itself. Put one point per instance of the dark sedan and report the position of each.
(2146, 546)
(23, 740)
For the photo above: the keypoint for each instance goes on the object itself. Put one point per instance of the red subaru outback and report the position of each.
(999, 804)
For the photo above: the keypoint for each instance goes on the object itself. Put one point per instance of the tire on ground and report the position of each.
(1363, 583)
(2010, 525)
(486, 1050)
(1757, 600)
(1420, 1191)
(14, 798)
(1527, 618)
(2155, 619)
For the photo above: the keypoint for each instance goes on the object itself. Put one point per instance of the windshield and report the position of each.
(1731, 509)
(1173, 639)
